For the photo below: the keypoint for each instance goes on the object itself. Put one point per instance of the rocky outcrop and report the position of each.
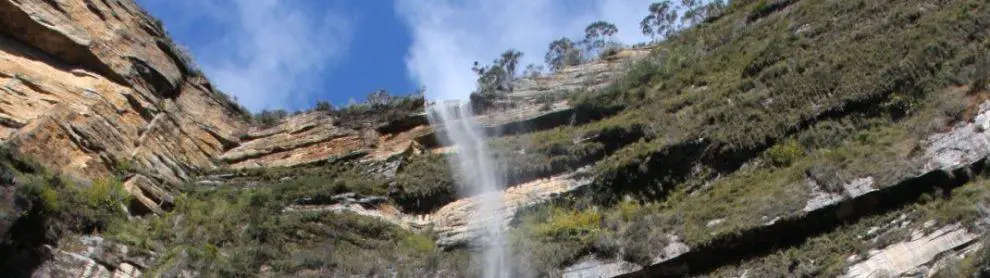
(146, 196)
(903, 257)
(455, 223)
(821, 198)
(963, 145)
(315, 138)
(458, 223)
(92, 256)
(590, 76)
(90, 87)
(596, 268)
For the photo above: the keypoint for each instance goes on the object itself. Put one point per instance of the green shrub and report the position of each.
(268, 118)
(419, 243)
(554, 235)
(563, 225)
(784, 153)
(38, 189)
(424, 183)
(324, 106)
(105, 194)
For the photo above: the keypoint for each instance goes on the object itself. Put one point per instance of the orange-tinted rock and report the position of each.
(86, 87)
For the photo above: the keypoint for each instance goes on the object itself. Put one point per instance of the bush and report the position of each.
(554, 236)
(105, 194)
(564, 225)
(60, 206)
(784, 153)
(424, 183)
(324, 106)
(268, 118)
(385, 110)
(38, 190)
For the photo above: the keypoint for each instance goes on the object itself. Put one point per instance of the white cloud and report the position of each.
(449, 36)
(270, 52)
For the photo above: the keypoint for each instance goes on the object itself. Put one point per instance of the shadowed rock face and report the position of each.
(88, 86)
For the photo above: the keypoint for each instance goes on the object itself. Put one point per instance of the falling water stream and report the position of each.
(477, 171)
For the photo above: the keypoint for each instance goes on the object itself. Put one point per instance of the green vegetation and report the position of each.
(494, 81)
(268, 118)
(826, 255)
(227, 231)
(664, 20)
(237, 231)
(324, 106)
(697, 210)
(720, 130)
(598, 42)
(67, 206)
(561, 149)
(554, 236)
(425, 183)
(717, 132)
(734, 93)
(230, 232)
(819, 99)
(40, 207)
(381, 107)
(783, 154)
(598, 37)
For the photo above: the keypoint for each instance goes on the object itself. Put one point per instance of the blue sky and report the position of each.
(290, 53)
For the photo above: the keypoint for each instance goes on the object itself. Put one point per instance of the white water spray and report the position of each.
(477, 169)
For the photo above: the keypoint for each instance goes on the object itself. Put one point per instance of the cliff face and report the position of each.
(91, 86)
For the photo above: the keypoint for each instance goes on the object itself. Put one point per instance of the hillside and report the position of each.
(775, 138)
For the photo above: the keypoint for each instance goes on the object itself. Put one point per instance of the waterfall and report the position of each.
(456, 127)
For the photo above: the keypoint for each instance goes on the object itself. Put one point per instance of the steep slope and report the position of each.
(719, 148)
(95, 91)
(776, 138)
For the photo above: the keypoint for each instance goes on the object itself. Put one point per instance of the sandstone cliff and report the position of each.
(90, 87)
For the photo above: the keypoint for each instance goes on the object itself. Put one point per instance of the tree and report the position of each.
(697, 12)
(490, 78)
(499, 75)
(324, 106)
(508, 61)
(662, 20)
(598, 35)
(562, 53)
(981, 78)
